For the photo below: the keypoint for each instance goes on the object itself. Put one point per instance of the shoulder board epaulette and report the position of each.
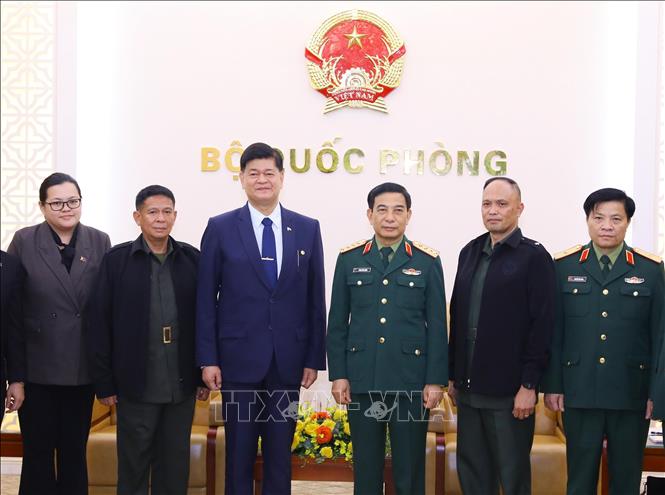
(425, 249)
(355, 245)
(650, 256)
(568, 252)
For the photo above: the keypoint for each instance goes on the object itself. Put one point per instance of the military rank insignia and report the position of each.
(355, 59)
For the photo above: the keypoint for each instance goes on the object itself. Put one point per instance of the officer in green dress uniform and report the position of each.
(387, 344)
(607, 338)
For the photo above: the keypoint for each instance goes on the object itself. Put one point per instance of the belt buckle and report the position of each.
(166, 335)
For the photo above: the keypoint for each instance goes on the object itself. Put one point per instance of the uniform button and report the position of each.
(353, 349)
(601, 360)
(641, 366)
(603, 336)
(417, 352)
(568, 363)
(382, 320)
(78, 315)
(605, 292)
(574, 291)
(385, 281)
(381, 340)
(604, 314)
(359, 282)
(269, 327)
(410, 284)
(635, 293)
(384, 300)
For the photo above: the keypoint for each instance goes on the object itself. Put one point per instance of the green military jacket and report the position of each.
(387, 327)
(608, 332)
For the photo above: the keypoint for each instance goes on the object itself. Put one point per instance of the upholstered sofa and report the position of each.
(207, 455)
(548, 454)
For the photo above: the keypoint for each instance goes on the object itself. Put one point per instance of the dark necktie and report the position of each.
(269, 252)
(385, 253)
(605, 260)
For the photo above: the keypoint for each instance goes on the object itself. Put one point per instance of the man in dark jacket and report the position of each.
(142, 328)
(501, 323)
(12, 275)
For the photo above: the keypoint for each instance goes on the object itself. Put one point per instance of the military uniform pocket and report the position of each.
(574, 302)
(411, 292)
(635, 302)
(571, 379)
(638, 371)
(360, 288)
(414, 361)
(354, 359)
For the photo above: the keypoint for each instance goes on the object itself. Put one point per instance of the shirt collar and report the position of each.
(393, 246)
(612, 255)
(139, 244)
(257, 217)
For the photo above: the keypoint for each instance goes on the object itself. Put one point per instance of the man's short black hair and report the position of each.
(388, 187)
(55, 180)
(154, 190)
(258, 151)
(609, 194)
(506, 179)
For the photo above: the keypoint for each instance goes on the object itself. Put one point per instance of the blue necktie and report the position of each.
(269, 252)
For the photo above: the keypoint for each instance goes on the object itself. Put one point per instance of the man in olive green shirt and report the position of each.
(387, 344)
(607, 338)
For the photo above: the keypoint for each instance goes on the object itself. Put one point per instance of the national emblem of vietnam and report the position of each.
(355, 59)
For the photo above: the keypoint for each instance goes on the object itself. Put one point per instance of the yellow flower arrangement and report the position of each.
(322, 435)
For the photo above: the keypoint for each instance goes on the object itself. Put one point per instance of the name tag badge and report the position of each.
(362, 269)
(576, 278)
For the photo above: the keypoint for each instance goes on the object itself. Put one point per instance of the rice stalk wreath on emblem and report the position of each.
(355, 59)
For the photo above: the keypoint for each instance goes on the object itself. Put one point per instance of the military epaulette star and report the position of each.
(355, 245)
(650, 256)
(425, 249)
(568, 252)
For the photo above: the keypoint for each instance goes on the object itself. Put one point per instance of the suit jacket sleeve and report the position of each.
(100, 329)
(316, 345)
(541, 289)
(16, 370)
(656, 319)
(338, 323)
(437, 340)
(552, 382)
(208, 284)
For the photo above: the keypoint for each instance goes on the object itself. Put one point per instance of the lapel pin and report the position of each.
(83, 259)
(288, 229)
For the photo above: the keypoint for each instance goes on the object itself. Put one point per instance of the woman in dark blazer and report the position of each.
(61, 258)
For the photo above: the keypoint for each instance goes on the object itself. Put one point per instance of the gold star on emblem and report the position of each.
(354, 38)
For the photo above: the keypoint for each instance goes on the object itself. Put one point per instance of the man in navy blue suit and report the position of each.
(260, 320)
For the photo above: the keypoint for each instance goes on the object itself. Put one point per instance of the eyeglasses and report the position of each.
(72, 204)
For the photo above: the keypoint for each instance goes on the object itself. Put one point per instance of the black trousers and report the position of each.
(55, 421)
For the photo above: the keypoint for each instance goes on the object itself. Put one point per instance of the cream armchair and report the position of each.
(206, 452)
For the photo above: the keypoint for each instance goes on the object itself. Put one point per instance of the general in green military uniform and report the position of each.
(387, 345)
(607, 338)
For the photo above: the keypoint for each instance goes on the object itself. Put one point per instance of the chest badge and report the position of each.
(633, 280)
(576, 278)
(362, 269)
(411, 271)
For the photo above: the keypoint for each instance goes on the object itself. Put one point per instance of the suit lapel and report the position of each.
(81, 256)
(373, 257)
(51, 254)
(620, 268)
(592, 267)
(289, 245)
(399, 258)
(248, 240)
